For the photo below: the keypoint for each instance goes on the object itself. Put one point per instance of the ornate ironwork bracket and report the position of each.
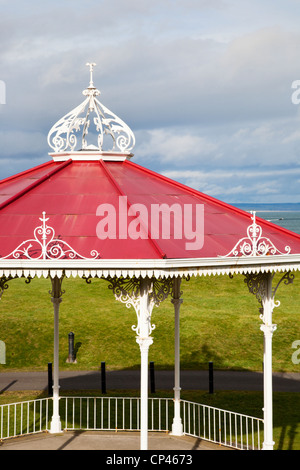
(129, 291)
(258, 285)
(3, 284)
(4, 280)
(287, 278)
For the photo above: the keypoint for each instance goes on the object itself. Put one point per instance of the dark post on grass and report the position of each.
(152, 378)
(71, 357)
(50, 380)
(103, 378)
(211, 377)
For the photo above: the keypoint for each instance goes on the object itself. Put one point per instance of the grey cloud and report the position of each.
(193, 99)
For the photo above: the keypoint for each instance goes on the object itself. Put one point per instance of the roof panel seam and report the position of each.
(35, 184)
(23, 173)
(114, 182)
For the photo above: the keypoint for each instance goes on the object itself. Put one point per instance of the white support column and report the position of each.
(144, 344)
(56, 300)
(268, 328)
(144, 340)
(177, 428)
(143, 295)
(260, 285)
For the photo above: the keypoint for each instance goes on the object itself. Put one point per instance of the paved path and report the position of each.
(164, 380)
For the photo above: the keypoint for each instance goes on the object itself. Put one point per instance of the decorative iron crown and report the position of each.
(64, 136)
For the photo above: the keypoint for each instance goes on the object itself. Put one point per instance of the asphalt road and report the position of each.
(164, 380)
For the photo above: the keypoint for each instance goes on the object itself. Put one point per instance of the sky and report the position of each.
(205, 85)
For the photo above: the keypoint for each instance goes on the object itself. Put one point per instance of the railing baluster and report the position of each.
(231, 429)
(28, 417)
(167, 416)
(241, 425)
(209, 423)
(15, 415)
(116, 414)
(130, 414)
(123, 425)
(8, 418)
(1, 427)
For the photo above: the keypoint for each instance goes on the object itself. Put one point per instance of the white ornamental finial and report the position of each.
(64, 136)
(91, 65)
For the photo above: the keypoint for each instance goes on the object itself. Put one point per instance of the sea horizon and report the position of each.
(284, 214)
(268, 207)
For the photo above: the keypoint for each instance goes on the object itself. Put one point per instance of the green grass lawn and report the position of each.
(219, 322)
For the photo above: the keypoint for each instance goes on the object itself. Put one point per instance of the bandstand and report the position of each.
(91, 212)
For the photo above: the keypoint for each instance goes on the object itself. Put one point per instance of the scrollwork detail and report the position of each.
(3, 284)
(63, 135)
(128, 291)
(255, 244)
(258, 285)
(45, 246)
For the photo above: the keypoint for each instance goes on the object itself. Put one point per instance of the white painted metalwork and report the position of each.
(255, 244)
(177, 428)
(261, 286)
(44, 246)
(142, 294)
(159, 268)
(128, 291)
(28, 417)
(56, 298)
(223, 427)
(63, 135)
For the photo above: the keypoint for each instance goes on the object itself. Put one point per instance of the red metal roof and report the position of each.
(70, 192)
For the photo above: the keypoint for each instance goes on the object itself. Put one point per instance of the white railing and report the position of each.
(114, 413)
(28, 417)
(123, 414)
(222, 427)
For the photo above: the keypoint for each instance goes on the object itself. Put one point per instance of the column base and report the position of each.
(268, 446)
(55, 427)
(177, 428)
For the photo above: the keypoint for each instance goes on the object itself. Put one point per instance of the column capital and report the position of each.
(144, 343)
(56, 300)
(56, 291)
(268, 330)
(177, 301)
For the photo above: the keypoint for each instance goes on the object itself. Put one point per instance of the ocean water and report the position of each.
(284, 215)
